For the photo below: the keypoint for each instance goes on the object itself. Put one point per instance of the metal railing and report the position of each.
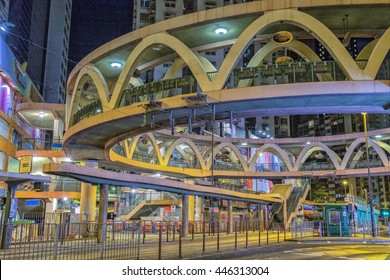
(70, 241)
(148, 196)
(40, 144)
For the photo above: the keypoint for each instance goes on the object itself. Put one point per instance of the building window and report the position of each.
(16, 137)
(4, 125)
(209, 5)
(144, 3)
(170, 3)
(2, 160)
(13, 165)
(169, 15)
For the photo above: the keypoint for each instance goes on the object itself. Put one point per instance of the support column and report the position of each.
(102, 221)
(184, 214)
(230, 216)
(58, 129)
(285, 218)
(87, 202)
(9, 213)
(198, 208)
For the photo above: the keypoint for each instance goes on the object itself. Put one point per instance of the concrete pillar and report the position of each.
(285, 218)
(184, 216)
(87, 202)
(102, 221)
(230, 216)
(51, 205)
(198, 208)
(58, 129)
(8, 215)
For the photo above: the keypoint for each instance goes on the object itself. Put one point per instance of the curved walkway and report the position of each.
(99, 176)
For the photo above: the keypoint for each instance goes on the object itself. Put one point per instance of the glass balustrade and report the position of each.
(283, 73)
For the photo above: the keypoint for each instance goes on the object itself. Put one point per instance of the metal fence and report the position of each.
(70, 241)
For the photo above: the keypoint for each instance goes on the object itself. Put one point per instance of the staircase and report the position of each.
(146, 203)
(294, 196)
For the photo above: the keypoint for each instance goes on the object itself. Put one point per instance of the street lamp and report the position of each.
(345, 183)
(370, 197)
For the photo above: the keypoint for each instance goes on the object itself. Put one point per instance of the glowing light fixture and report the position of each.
(378, 136)
(65, 198)
(307, 143)
(220, 31)
(42, 114)
(2, 28)
(116, 65)
(244, 144)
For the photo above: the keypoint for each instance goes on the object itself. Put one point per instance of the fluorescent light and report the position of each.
(116, 65)
(378, 136)
(41, 114)
(220, 31)
(244, 144)
(307, 143)
(2, 28)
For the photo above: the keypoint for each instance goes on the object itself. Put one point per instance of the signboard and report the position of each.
(25, 164)
(32, 202)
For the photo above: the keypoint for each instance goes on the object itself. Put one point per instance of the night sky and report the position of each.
(95, 23)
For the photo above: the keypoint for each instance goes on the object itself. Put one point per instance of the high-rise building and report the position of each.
(39, 37)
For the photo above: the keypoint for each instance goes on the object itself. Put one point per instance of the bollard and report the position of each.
(246, 235)
(204, 237)
(341, 229)
(218, 231)
(159, 241)
(235, 236)
(174, 231)
(143, 233)
(267, 235)
(193, 230)
(180, 236)
(167, 227)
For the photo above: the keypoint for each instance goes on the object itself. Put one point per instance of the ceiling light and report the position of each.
(157, 48)
(308, 143)
(2, 28)
(244, 144)
(42, 114)
(116, 65)
(220, 31)
(378, 136)
(65, 198)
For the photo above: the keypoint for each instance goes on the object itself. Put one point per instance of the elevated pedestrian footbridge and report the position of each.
(100, 176)
(191, 155)
(116, 102)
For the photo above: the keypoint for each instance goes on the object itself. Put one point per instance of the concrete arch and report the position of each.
(300, 19)
(310, 148)
(93, 73)
(367, 50)
(191, 144)
(138, 53)
(384, 146)
(296, 46)
(358, 155)
(152, 140)
(378, 55)
(273, 149)
(179, 64)
(234, 149)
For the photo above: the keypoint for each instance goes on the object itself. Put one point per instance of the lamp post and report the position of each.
(370, 197)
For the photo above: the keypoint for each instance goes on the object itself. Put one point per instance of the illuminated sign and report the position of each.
(25, 164)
